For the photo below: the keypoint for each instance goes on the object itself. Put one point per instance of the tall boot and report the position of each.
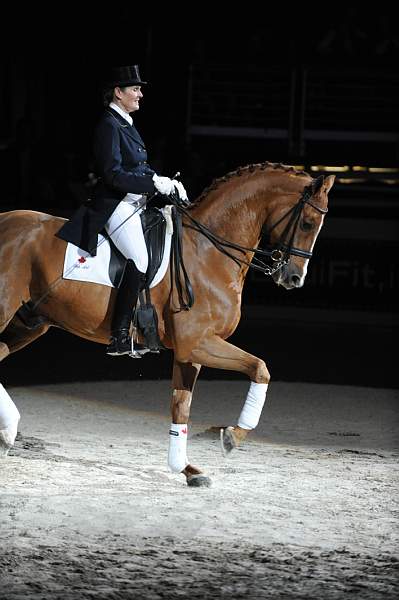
(125, 306)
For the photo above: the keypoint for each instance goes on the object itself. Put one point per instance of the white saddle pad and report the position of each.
(80, 266)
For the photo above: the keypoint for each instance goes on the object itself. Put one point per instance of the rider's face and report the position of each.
(128, 97)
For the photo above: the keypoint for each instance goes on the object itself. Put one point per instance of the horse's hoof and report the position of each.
(4, 450)
(199, 481)
(227, 441)
(5, 446)
(7, 439)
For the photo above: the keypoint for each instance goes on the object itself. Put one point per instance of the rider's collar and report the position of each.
(122, 113)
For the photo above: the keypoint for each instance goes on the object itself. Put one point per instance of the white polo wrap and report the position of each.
(252, 409)
(177, 457)
(9, 417)
(9, 414)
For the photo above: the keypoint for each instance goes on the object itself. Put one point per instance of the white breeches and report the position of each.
(128, 238)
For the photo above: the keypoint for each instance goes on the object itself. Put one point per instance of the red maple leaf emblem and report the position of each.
(82, 259)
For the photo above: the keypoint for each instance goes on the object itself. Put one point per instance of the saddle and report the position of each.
(146, 321)
(154, 228)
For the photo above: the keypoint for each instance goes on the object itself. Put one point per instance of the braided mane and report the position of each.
(265, 166)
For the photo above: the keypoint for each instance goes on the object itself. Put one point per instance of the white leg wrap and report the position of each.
(8, 411)
(252, 409)
(9, 417)
(8, 435)
(177, 458)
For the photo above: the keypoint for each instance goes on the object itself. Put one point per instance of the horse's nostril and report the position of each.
(296, 280)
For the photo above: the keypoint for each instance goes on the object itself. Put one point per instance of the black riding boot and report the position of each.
(125, 306)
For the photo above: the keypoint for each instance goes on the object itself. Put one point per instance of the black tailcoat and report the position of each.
(121, 164)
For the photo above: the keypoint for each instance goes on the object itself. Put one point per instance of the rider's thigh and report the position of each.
(127, 235)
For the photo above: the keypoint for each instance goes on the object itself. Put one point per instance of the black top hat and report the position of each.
(123, 76)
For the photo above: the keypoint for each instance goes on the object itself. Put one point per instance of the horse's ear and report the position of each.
(317, 184)
(328, 183)
(323, 184)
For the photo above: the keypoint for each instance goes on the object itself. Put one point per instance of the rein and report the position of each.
(280, 254)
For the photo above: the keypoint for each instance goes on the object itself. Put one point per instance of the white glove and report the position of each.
(180, 190)
(164, 185)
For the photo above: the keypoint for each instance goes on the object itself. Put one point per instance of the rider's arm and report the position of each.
(108, 157)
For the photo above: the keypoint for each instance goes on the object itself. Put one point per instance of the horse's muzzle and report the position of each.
(289, 278)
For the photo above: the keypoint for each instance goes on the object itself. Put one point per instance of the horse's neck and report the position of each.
(235, 215)
(240, 206)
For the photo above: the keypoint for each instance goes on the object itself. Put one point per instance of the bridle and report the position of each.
(283, 249)
(279, 254)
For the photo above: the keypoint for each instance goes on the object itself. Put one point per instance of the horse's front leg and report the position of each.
(217, 353)
(184, 378)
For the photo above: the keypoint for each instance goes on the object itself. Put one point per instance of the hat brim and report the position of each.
(112, 84)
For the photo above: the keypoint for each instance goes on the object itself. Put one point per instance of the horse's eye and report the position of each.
(306, 225)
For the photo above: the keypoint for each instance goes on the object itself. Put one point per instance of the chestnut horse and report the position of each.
(286, 205)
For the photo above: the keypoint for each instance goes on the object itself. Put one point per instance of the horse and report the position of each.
(269, 201)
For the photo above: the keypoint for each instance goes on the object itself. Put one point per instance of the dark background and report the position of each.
(314, 89)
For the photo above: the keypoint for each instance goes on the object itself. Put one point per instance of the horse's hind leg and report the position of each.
(217, 353)
(15, 337)
(4, 351)
(11, 295)
(184, 378)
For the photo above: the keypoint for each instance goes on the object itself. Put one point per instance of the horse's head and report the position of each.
(293, 226)
(277, 201)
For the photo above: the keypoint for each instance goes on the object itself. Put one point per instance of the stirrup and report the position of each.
(138, 350)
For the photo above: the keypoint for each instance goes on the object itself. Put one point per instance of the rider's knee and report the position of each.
(142, 263)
